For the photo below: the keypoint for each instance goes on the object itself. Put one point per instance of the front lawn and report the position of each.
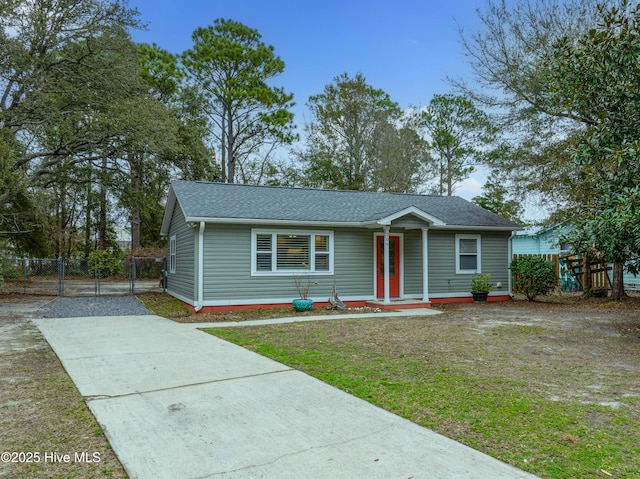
(551, 388)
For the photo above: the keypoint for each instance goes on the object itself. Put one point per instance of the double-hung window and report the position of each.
(290, 252)
(468, 254)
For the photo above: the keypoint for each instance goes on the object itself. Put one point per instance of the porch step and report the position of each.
(399, 304)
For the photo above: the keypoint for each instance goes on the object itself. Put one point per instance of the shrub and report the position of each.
(481, 283)
(533, 276)
(109, 264)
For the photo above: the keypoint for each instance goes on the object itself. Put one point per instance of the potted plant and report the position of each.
(480, 286)
(303, 285)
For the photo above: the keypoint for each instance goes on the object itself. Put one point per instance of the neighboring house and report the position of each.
(240, 245)
(547, 241)
(543, 241)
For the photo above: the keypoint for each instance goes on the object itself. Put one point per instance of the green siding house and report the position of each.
(236, 245)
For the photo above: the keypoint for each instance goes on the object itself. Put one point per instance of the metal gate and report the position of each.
(81, 277)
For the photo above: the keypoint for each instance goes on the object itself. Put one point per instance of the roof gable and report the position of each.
(414, 211)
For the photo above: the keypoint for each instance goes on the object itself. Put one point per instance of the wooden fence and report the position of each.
(571, 272)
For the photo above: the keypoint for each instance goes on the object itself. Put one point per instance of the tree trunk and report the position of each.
(136, 182)
(87, 218)
(231, 157)
(617, 288)
(223, 150)
(102, 220)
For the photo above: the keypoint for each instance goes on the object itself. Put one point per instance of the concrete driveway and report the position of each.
(178, 403)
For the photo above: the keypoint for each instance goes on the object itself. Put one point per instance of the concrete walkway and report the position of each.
(176, 402)
(318, 317)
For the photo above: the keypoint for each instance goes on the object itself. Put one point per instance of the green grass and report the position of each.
(472, 387)
(163, 304)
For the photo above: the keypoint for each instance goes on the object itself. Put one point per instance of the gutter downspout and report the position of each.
(200, 266)
(510, 253)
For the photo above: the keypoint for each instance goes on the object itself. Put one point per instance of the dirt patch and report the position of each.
(555, 338)
(43, 418)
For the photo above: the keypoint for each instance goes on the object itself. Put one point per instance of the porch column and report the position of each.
(425, 264)
(387, 299)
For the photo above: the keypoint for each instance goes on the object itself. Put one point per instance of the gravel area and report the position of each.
(94, 306)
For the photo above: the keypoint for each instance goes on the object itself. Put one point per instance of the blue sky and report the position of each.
(405, 47)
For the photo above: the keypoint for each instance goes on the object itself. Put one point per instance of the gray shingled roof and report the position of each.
(203, 200)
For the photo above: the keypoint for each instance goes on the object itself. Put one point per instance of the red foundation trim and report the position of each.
(253, 307)
(350, 304)
(469, 299)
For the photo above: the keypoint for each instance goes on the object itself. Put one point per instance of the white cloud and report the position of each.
(472, 186)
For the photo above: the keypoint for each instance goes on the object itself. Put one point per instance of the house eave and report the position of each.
(334, 224)
(270, 222)
(168, 211)
(477, 228)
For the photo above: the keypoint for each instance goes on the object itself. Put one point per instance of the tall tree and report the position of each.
(401, 157)
(231, 66)
(506, 53)
(55, 87)
(566, 76)
(495, 198)
(594, 81)
(358, 140)
(456, 131)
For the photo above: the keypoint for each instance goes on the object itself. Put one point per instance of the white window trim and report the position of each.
(172, 254)
(478, 253)
(274, 254)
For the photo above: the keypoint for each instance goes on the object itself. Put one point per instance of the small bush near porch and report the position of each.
(550, 387)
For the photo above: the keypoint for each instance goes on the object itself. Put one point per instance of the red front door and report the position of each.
(394, 266)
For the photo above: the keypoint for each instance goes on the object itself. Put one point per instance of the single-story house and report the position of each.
(234, 245)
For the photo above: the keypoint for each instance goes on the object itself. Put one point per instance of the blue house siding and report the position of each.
(354, 273)
(227, 268)
(413, 263)
(443, 279)
(182, 283)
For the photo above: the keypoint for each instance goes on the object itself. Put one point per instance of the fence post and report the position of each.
(132, 275)
(60, 277)
(97, 279)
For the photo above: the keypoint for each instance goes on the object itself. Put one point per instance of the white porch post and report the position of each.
(425, 264)
(387, 299)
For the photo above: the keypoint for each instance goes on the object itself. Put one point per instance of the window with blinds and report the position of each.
(293, 252)
(264, 254)
(277, 252)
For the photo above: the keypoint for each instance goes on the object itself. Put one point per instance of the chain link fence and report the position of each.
(81, 277)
